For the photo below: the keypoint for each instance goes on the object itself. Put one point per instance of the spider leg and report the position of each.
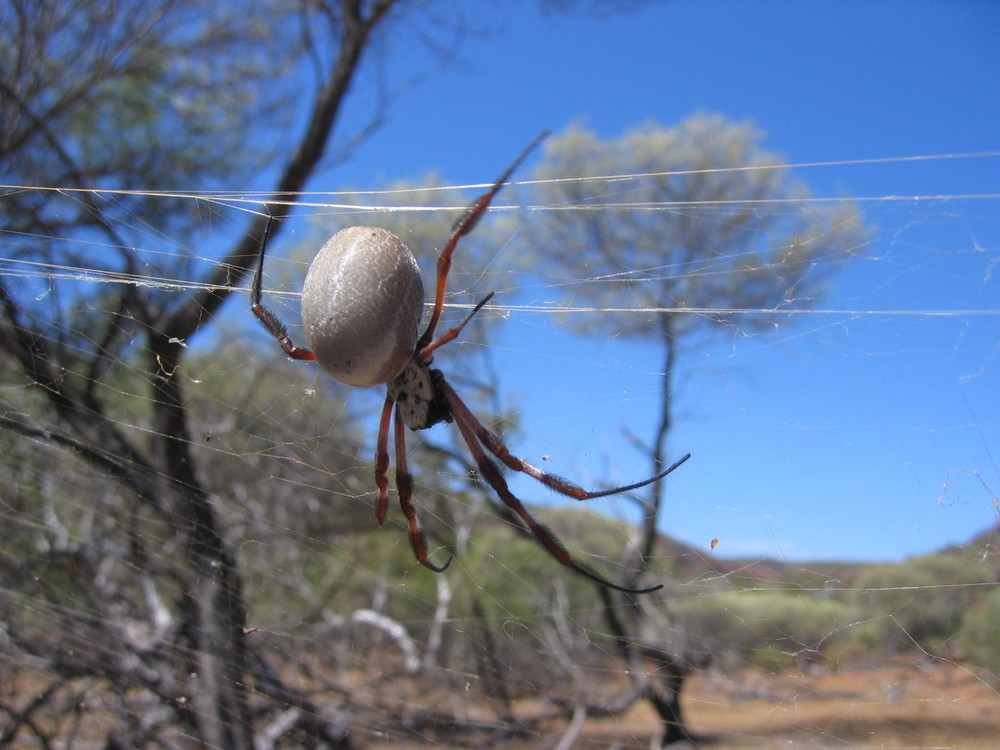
(266, 316)
(404, 486)
(463, 226)
(469, 426)
(450, 335)
(382, 462)
(563, 486)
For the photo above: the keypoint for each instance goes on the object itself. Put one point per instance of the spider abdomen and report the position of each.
(362, 301)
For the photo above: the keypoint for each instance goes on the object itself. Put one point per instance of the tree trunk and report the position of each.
(662, 685)
(664, 695)
(211, 607)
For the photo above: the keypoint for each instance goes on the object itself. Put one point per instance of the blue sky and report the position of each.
(867, 434)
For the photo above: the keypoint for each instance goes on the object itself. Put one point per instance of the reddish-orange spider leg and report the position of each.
(404, 487)
(471, 430)
(465, 225)
(271, 321)
(564, 487)
(382, 462)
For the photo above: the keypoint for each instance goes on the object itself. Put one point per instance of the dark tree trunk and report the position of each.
(662, 685)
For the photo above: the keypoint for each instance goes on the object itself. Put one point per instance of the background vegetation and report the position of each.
(189, 557)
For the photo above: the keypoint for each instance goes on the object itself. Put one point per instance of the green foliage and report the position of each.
(917, 603)
(108, 101)
(643, 241)
(763, 628)
(980, 636)
(139, 94)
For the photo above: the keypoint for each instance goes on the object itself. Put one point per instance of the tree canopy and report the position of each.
(685, 228)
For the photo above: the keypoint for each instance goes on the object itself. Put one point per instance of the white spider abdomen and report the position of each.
(361, 306)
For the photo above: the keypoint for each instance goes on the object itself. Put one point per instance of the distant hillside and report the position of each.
(693, 565)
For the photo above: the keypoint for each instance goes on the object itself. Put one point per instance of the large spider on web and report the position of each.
(362, 302)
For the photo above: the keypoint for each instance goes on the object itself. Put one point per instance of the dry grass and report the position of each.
(929, 705)
(921, 705)
(916, 705)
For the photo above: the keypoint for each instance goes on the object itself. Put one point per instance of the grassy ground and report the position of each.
(929, 706)
(906, 706)
(914, 704)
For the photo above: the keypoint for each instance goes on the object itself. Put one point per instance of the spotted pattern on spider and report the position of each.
(419, 397)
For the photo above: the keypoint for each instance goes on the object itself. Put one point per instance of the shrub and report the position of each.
(980, 636)
(917, 603)
(762, 628)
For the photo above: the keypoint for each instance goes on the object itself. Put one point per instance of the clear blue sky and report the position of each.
(860, 436)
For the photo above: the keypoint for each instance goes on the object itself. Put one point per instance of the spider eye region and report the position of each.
(419, 397)
(362, 302)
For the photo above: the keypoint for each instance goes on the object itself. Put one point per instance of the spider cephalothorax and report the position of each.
(419, 397)
(362, 302)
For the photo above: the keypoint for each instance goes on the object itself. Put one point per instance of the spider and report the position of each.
(362, 302)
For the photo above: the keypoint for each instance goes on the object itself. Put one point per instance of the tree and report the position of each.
(979, 635)
(919, 603)
(697, 231)
(137, 95)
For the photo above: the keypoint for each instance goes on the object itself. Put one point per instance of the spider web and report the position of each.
(857, 433)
